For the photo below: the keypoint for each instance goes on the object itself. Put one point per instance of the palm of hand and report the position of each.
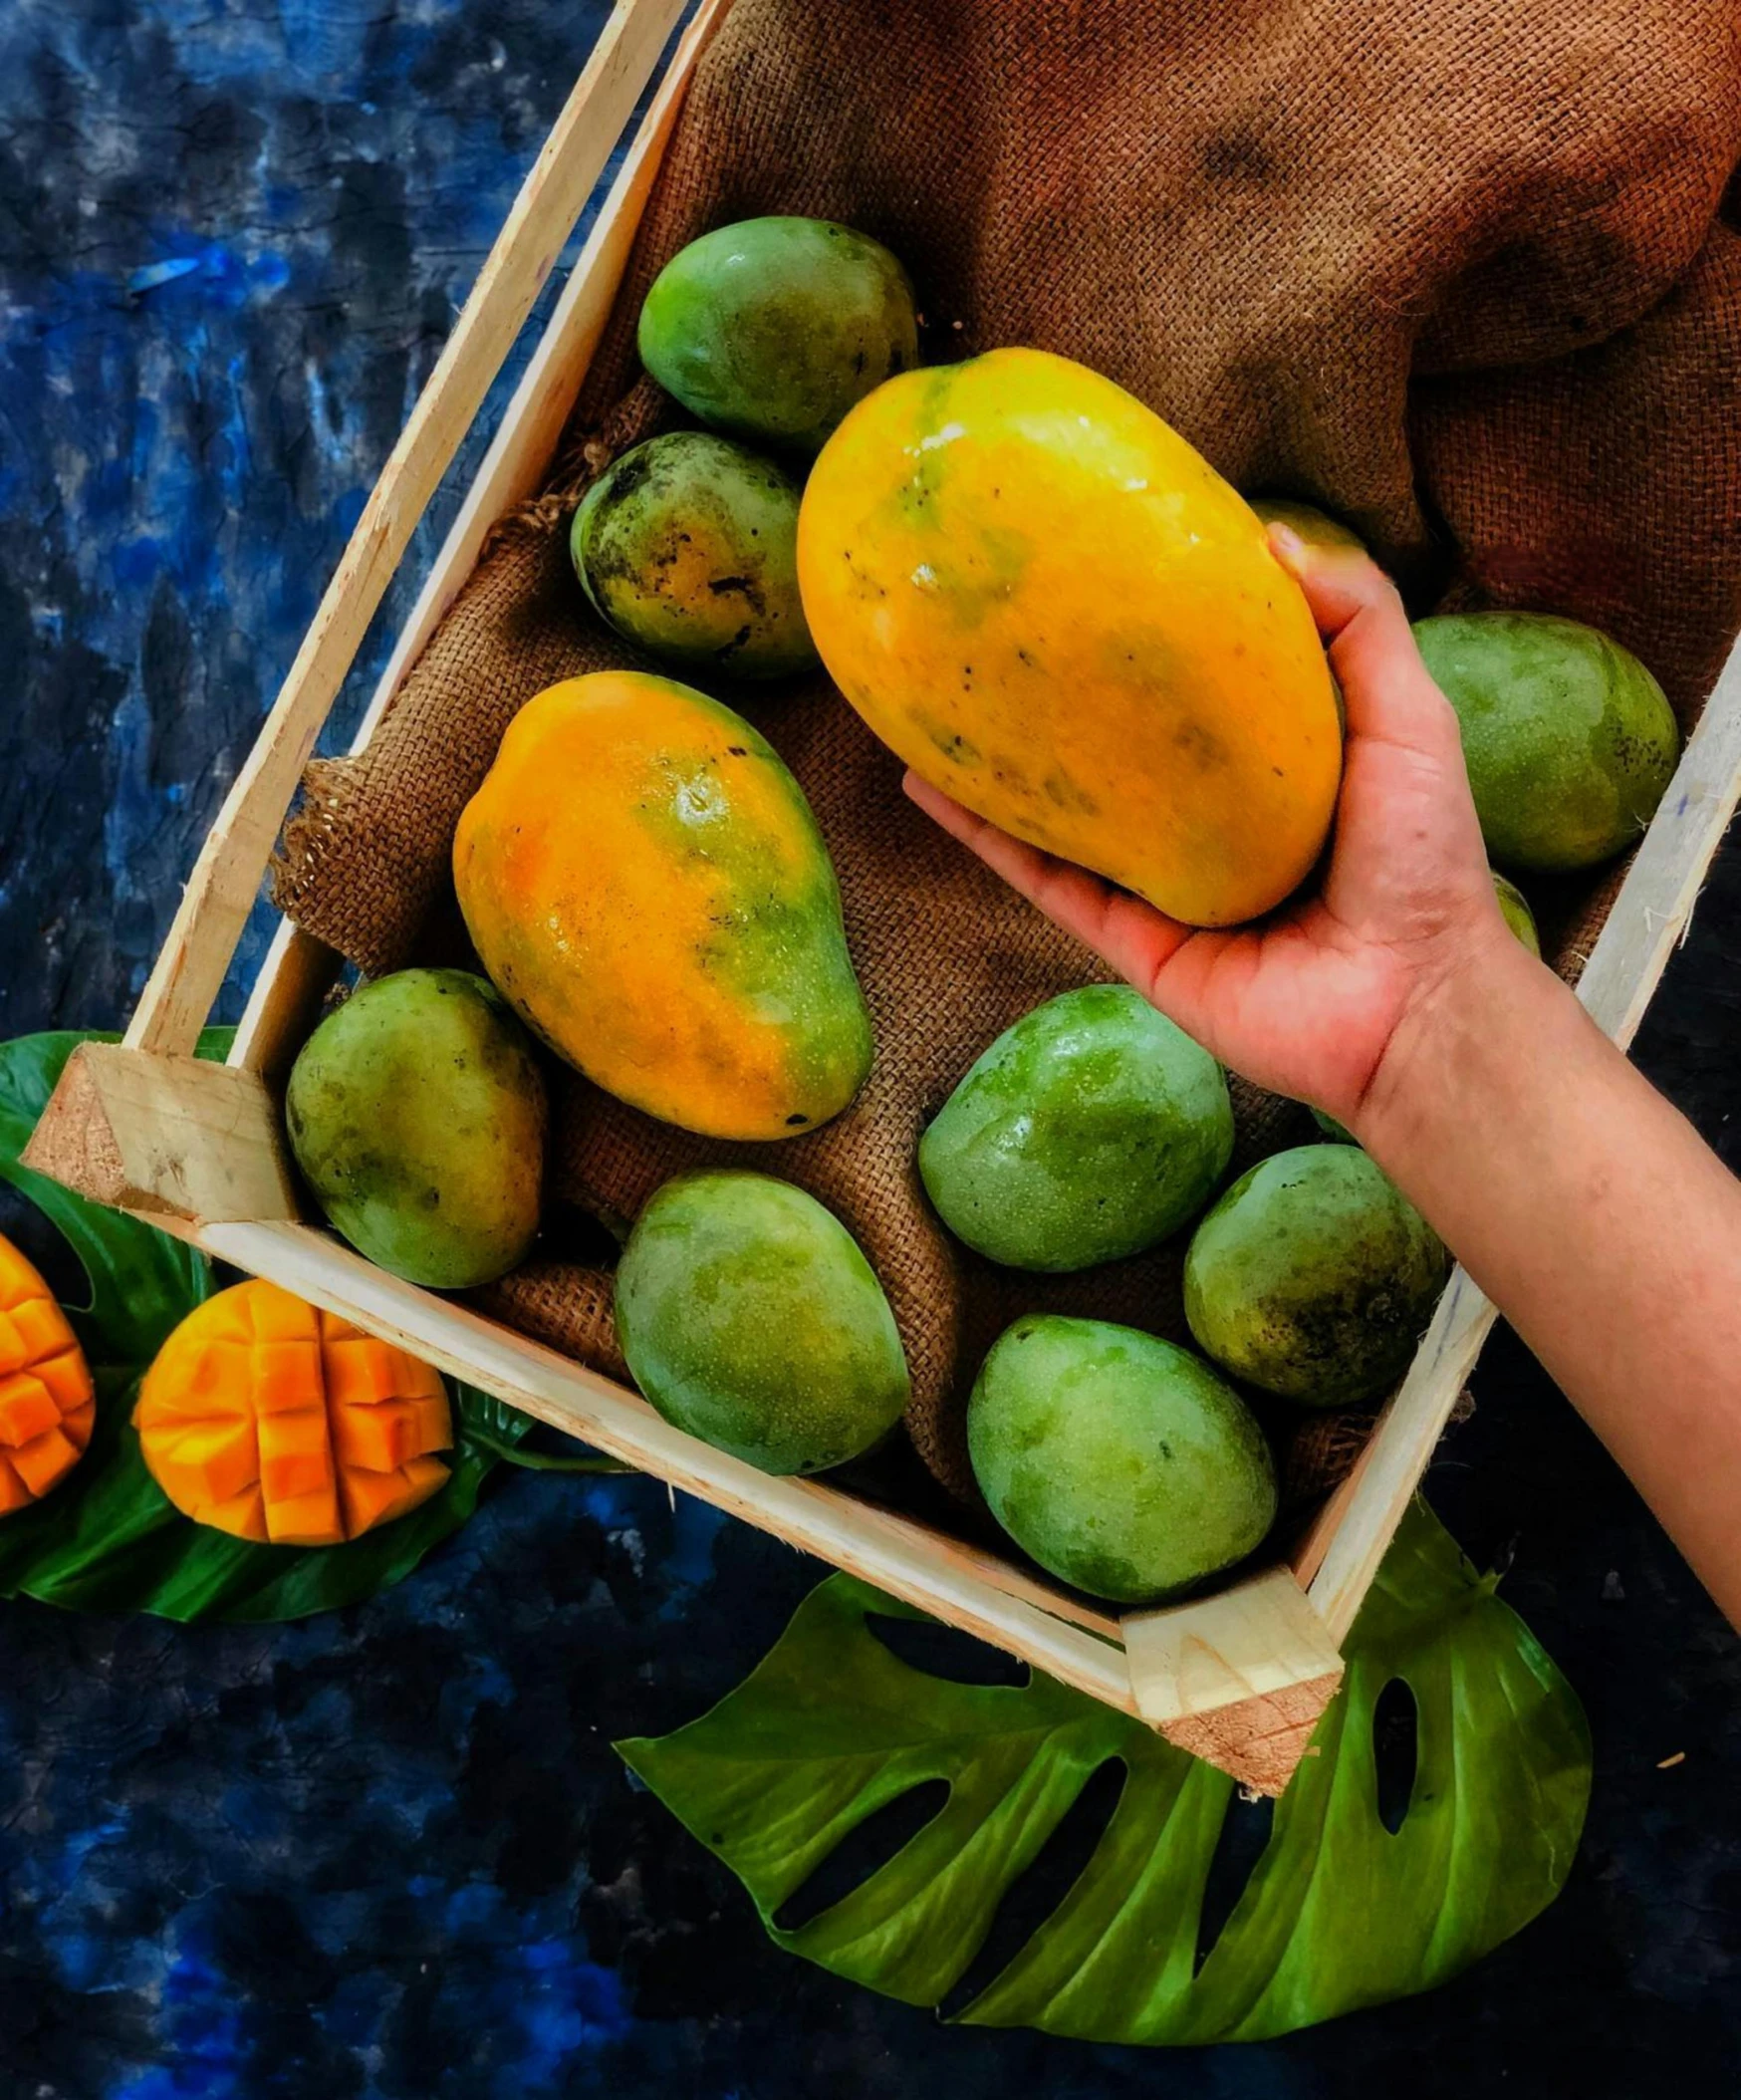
(1306, 1002)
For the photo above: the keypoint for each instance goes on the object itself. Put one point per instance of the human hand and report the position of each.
(1308, 1001)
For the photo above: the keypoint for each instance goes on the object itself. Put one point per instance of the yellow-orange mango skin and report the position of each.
(266, 1417)
(1054, 608)
(645, 883)
(48, 1404)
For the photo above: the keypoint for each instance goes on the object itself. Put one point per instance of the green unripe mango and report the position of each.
(749, 1318)
(1313, 1277)
(416, 1115)
(1316, 527)
(688, 546)
(1089, 1130)
(1119, 1463)
(1570, 741)
(773, 328)
(1514, 908)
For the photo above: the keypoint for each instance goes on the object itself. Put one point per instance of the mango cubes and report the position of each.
(46, 1403)
(269, 1418)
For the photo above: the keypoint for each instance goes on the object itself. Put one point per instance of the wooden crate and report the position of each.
(1240, 1676)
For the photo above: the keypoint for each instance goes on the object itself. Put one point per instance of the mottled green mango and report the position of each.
(749, 1318)
(1313, 1277)
(1569, 740)
(1088, 1131)
(688, 546)
(773, 328)
(416, 1115)
(1119, 1463)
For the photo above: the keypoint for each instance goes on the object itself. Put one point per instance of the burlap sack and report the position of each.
(1459, 273)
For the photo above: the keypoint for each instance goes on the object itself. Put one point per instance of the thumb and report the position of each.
(1388, 691)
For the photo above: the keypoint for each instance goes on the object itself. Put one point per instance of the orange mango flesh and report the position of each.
(647, 886)
(276, 1422)
(1054, 608)
(48, 1405)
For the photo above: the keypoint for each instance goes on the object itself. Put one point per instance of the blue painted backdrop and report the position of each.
(391, 1852)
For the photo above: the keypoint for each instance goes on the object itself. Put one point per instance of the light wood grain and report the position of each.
(1257, 1637)
(226, 877)
(180, 1137)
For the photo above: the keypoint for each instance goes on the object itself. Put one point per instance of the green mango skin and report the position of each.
(688, 547)
(1316, 527)
(748, 1316)
(416, 1114)
(1515, 909)
(1088, 1131)
(1121, 1464)
(1570, 741)
(1314, 1278)
(772, 329)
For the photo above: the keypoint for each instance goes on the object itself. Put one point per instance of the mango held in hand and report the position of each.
(1088, 1131)
(1119, 1463)
(1569, 742)
(275, 1421)
(1056, 611)
(688, 546)
(1313, 1277)
(48, 1404)
(416, 1115)
(749, 1318)
(645, 882)
(773, 327)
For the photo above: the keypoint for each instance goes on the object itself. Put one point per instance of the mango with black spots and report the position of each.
(772, 328)
(748, 1315)
(1122, 1464)
(1570, 741)
(1054, 609)
(416, 1114)
(1089, 1130)
(1313, 1277)
(688, 547)
(643, 879)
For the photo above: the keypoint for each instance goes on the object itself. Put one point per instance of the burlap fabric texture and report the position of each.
(1464, 274)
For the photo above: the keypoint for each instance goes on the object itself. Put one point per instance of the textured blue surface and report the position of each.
(389, 1852)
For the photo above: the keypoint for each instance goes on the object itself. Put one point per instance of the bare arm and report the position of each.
(1581, 1201)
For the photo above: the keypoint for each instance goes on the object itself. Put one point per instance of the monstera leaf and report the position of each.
(108, 1540)
(1341, 1910)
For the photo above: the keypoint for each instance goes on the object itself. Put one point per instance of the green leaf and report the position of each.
(1337, 1913)
(108, 1540)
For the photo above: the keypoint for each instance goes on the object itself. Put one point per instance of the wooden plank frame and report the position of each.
(1239, 1676)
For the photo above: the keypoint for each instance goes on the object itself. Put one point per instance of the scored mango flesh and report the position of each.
(272, 1420)
(47, 1402)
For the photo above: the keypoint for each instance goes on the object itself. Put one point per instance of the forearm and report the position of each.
(1595, 1217)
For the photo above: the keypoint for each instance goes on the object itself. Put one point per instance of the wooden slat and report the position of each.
(1260, 1636)
(294, 978)
(226, 877)
(183, 1136)
(1648, 920)
(908, 1559)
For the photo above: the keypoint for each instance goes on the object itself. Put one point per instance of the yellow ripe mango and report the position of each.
(271, 1419)
(1054, 608)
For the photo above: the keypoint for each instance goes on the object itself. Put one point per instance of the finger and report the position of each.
(1124, 932)
(1388, 689)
